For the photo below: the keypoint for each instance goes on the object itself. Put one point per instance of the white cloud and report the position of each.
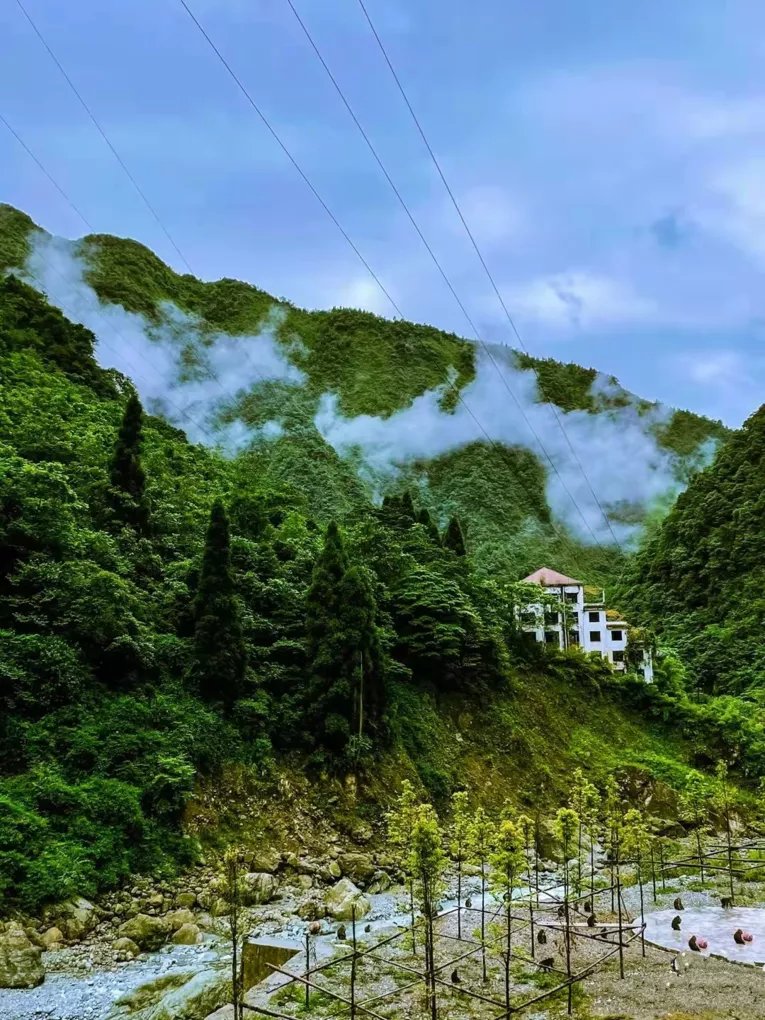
(736, 207)
(363, 293)
(155, 355)
(580, 299)
(623, 462)
(492, 215)
(732, 382)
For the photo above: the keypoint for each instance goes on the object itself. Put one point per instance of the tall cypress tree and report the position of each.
(345, 693)
(424, 518)
(454, 538)
(126, 475)
(323, 594)
(219, 649)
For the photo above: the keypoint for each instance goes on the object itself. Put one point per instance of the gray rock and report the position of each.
(265, 860)
(52, 938)
(147, 932)
(311, 909)
(358, 867)
(20, 963)
(380, 883)
(340, 900)
(258, 887)
(126, 946)
(187, 935)
(182, 995)
(74, 918)
(177, 918)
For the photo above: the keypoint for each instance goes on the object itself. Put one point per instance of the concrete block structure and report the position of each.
(575, 615)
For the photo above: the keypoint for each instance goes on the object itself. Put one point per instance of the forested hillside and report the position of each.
(169, 613)
(370, 388)
(700, 580)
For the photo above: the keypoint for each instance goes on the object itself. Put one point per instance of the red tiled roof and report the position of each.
(547, 576)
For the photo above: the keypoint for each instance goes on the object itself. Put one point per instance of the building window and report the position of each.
(595, 635)
(529, 619)
(617, 635)
(573, 637)
(594, 617)
(572, 596)
(551, 619)
(618, 656)
(551, 637)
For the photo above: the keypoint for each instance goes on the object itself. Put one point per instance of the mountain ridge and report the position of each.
(393, 381)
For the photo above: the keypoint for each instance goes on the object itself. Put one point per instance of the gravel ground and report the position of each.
(73, 996)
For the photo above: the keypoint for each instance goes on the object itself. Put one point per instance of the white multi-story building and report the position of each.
(577, 617)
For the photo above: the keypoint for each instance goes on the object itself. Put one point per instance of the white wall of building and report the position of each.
(583, 624)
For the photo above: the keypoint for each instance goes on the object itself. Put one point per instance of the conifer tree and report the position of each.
(507, 862)
(126, 475)
(401, 819)
(346, 692)
(219, 649)
(480, 841)
(567, 829)
(407, 506)
(454, 538)
(424, 518)
(458, 845)
(427, 864)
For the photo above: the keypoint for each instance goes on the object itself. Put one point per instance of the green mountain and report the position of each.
(187, 635)
(700, 579)
(370, 366)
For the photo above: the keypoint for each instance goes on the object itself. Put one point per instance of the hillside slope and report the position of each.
(180, 641)
(700, 579)
(349, 406)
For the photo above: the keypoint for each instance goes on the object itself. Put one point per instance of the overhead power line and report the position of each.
(248, 96)
(274, 134)
(103, 134)
(479, 253)
(52, 179)
(442, 272)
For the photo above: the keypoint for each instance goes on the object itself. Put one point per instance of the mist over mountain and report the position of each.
(570, 458)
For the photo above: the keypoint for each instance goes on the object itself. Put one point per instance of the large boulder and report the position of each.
(265, 860)
(20, 963)
(126, 946)
(177, 918)
(358, 867)
(183, 995)
(342, 898)
(147, 932)
(258, 887)
(187, 935)
(52, 938)
(74, 918)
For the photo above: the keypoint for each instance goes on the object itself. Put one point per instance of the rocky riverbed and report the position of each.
(129, 953)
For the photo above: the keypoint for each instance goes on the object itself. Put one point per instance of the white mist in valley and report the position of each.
(617, 455)
(181, 371)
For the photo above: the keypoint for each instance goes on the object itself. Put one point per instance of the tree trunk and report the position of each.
(459, 898)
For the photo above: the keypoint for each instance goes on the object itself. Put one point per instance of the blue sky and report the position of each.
(610, 158)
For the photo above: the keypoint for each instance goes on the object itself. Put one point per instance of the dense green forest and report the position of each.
(166, 611)
(376, 366)
(170, 617)
(700, 579)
